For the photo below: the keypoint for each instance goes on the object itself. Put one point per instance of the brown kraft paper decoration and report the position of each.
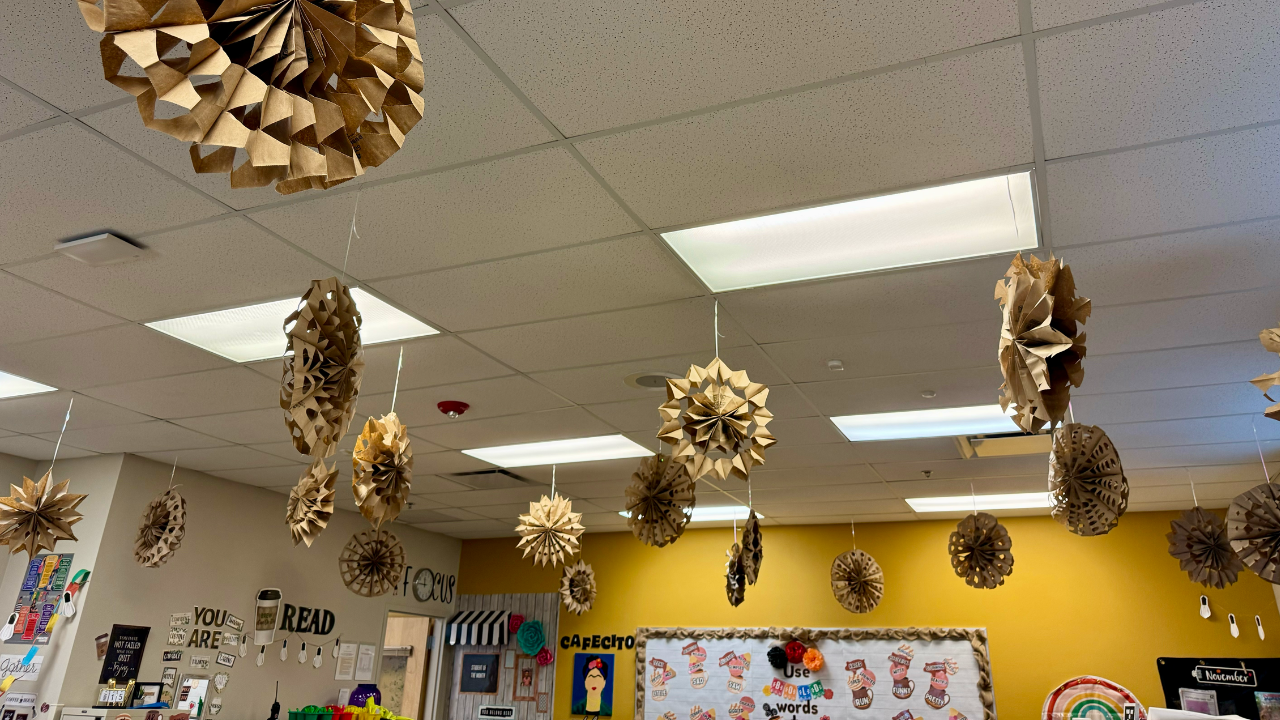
(578, 587)
(981, 551)
(163, 526)
(35, 516)
(1198, 540)
(372, 563)
(1270, 339)
(660, 500)
(550, 531)
(383, 469)
(1253, 527)
(1087, 485)
(735, 579)
(716, 419)
(857, 581)
(311, 502)
(752, 548)
(321, 381)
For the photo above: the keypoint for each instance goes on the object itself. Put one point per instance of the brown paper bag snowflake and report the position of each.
(857, 581)
(372, 562)
(660, 500)
(735, 577)
(164, 525)
(383, 464)
(578, 587)
(1198, 540)
(1253, 527)
(311, 502)
(752, 548)
(35, 516)
(1270, 339)
(1087, 485)
(716, 419)
(981, 551)
(550, 531)
(322, 380)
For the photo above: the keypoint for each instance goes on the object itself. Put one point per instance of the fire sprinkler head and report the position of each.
(452, 408)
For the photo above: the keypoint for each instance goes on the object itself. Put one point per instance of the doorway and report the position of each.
(406, 664)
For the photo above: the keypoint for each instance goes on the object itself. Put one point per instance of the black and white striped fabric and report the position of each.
(478, 627)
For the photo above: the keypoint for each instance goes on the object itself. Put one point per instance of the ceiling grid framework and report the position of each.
(1172, 337)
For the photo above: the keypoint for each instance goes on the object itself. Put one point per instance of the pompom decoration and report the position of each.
(302, 94)
(1040, 351)
(550, 531)
(544, 656)
(795, 652)
(716, 419)
(372, 563)
(1087, 485)
(514, 622)
(383, 469)
(311, 502)
(321, 380)
(752, 548)
(35, 516)
(981, 551)
(857, 581)
(1253, 527)
(1270, 340)
(660, 500)
(777, 657)
(813, 659)
(578, 587)
(735, 579)
(531, 637)
(163, 526)
(1198, 540)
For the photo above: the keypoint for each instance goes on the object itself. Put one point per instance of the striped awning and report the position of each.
(478, 627)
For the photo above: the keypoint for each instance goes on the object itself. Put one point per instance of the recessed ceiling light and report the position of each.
(255, 332)
(942, 422)
(12, 386)
(949, 222)
(713, 514)
(554, 452)
(965, 503)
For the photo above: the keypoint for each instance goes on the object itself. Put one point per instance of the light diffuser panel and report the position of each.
(714, 514)
(12, 386)
(975, 420)
(967, 503)
(556, 452)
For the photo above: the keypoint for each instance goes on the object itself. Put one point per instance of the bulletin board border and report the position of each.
(977, 638)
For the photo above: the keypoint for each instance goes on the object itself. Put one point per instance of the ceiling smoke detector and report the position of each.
(649, 379)
(103, 249)
(452, 408)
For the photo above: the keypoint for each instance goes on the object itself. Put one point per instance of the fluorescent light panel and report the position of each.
(965, 503)
(12, 386)
(559, 452)
(942, 422)
(255, 332)
(949, 222)
(713, 514)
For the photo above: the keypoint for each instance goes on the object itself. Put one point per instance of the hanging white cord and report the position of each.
(553, 482)
(65, 420)
(1193, 486)
(973, 495)
(1255, 442)
(396, 390)
(350, 235)
(717, 327)
(853, 530)
(173, 471)
(1071, 413)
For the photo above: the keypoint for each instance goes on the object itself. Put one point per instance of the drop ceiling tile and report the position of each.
(1194, 455)
(211, 392)
(1168, 404)
(606, 494)
(46, 412)
(823, 494)
(281, 478)
(1165, 188)
(207, 267)
(846, 519)
(245, 427)
(1052, 13)
(1178, 367)
(50, 51)
(895, 451)
(458, 514)
(152, 436)
(474, 499)
(1162, 493)
(766, 477)
(919, 125)
(805, 431)
(75, 184)
(446, 463)
(603, 383)
(421, 515)
(469, 528)
(34, 448)
(981, 486)
(34, 312)
(1160, 75)
(1206, 476)
(468, 112)
(508, 512)
(631, 415)
(233, 457)
(924, 299)
(601, 64)
(1171, 323)
(516, 205)
(284, 449)
(514, 429)
(1173, 433)
(596, 471)
(674, 328)
(784, 510)
(17, 110)
(118, 354)
(626, 272)
(786, 401)
(788, 457)
(895, 393)
(977, 467)
(888, 352)
(497, 397)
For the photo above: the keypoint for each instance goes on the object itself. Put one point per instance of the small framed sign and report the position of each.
(124, 653)
(479, 674)
(112, 695)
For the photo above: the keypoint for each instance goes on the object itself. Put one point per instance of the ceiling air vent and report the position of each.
(103, 249)
(495, 479)
(1004, 445)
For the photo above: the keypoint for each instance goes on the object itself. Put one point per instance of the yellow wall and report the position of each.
(1106, 606)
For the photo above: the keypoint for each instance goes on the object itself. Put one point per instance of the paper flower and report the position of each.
(1270, 340)
(35, 517)
(981, 551)
(300, 93)
(1040, 351)
(857, 581)
(531, 637)
(752, 548)
(550, 531)
(372, 563)
(321, 380)
(383, 465)
(777, 657)
(716, 419)
(1253, 527)
(795, 652)
(544, 656)
(735, 579)
(660, 500)
(311, 502)
(164, 524)
(578, 587)
(514, 622)
(1086, 481)
(1199, 541)
(813, 659)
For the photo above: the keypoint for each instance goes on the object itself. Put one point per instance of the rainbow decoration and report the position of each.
(1089, 698)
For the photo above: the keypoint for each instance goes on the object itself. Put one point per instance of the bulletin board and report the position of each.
(866, 674)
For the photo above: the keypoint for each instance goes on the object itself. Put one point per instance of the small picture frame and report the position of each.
(113, 695)
(524, 685)
(191, 694)
(147, 693)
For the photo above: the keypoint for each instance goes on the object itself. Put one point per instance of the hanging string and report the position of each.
(717, 328)
(350, 235)
(853, 530)
(974, 496)
(553, 481)
(1255, 442)
(750, 503)
(65, 420)
(1071, 413)
(173, 471)
(395, 391)
(1193, 485)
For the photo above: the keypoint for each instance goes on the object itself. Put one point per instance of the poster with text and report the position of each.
(38, 598)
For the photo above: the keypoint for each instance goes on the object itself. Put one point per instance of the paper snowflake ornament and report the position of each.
(299, 93)
(550, 531)
(752, 548)
(321, 380)
(372, 563)
(981, 551)
(1270, 340)
(311, 502)
(1087, 485)
(35, 516)
(578, 587)
(1253, 527)
(163, 526)
(735, 577)
(383, 464)
(660, 500)
(857, 581)
(1198, 540)
(1040, 343)
(717, 421)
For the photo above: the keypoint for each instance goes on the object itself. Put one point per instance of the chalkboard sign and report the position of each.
(479, 674)
(124, 653)
(1238, 686)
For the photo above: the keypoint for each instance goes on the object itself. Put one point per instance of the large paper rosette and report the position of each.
(660, 500)
(981, 551)
(550, 531)
(716, 419)
(383, 469)
(35, 516)
(321, 380)
(1198, 540)
(1253, 526)
(1087, 485)
(857, 582)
